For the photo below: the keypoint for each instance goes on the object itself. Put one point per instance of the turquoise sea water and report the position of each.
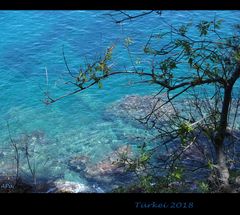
(31, 41)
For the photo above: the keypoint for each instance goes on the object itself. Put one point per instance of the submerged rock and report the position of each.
(78, 163)
(137, 106)
(108, 170)
(35, 137)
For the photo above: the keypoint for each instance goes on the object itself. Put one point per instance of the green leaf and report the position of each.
(203, 27)
(84, 77)
(183, 130)
(101, 66)
(218, 24)
(210, 165)
(203, 187)
(182, 30)
(144, 157)
(237, 56)
(100, 85)
(172, 64)
(177, 174)
(185, 127)
(187, 47)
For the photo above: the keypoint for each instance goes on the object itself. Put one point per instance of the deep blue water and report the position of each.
(31, 41)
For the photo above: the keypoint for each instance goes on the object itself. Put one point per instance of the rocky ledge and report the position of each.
(137, 106)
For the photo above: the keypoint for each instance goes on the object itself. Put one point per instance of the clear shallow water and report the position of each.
(31, 41)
